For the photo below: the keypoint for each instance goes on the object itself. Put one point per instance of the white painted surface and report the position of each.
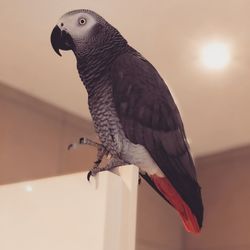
(68, 213)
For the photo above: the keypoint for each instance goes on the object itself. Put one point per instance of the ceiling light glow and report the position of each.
(215, 55)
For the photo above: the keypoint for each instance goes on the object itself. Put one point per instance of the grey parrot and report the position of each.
(133, 111)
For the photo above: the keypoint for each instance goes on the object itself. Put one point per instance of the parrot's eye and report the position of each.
(82, 21)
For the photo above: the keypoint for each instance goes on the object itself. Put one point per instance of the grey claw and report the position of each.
(88, 175)
(139, 180)
(81, 140)
(70, 146)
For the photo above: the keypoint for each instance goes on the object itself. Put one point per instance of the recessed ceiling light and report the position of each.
(215, 55)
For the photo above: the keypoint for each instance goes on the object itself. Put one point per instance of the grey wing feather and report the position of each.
(150, 117)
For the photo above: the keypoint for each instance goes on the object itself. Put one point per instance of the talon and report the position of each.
(88, 175)
(70, 146)
(139, 180)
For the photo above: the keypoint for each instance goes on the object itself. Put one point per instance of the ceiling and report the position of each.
(215, 104)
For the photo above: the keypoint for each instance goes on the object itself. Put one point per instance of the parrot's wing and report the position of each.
(149, 117)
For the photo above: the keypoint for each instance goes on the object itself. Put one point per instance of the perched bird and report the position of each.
(134, 114)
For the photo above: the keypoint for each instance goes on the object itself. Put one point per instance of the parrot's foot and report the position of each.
(139, 180)
(84, 141)
(93, 172)
(113, 163)
(101, 150)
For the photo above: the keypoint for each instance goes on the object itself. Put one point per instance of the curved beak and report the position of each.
(60, 39)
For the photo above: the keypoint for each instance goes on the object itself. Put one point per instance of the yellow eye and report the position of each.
(82, 21)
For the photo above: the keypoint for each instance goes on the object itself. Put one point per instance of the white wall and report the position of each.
(67, 212)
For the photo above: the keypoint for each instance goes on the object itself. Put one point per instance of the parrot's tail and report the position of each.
(168, 191)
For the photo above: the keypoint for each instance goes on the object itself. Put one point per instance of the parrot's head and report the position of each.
(82, 31)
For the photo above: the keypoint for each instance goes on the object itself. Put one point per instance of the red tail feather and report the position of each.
(169, 192)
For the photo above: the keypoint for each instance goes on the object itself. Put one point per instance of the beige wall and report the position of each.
(225, 180)
(34, 138)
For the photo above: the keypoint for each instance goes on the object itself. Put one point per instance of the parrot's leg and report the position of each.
(84, 141)
(113, 163)
(101, 152)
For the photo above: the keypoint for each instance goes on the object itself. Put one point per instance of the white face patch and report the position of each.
(77, 25)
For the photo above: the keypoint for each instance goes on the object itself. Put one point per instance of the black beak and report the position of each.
(60, 39)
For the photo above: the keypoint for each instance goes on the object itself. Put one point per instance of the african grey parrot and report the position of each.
(134, 114)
